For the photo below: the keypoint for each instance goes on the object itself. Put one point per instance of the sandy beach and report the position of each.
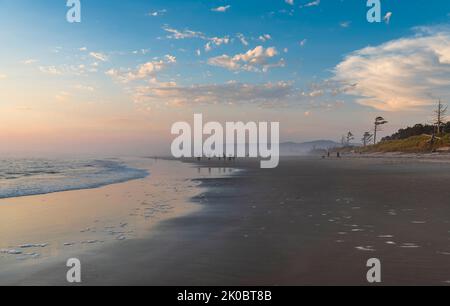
(37, 231)
(308, 222)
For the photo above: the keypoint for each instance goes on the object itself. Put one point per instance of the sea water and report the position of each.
(24, 177)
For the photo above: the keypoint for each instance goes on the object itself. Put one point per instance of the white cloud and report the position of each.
(83, 49)
(157, 13)
(387, 17)
(221, 9)
(313, 3)
(188, 34)
(141, 51)
(77, 70)
(216, 41)
(345, 24)
(290, 2)
(84, 88)
(99, 56)
(176, 34)
(242, 39)
(29, 61)
(265, 37)
(401, 74)
(303, 42)
(51, 70)
(144, 71)
(255, 60)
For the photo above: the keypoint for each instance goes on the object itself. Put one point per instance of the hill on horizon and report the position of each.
(305, 148)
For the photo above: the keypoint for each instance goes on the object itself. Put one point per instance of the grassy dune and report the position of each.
(415, 144)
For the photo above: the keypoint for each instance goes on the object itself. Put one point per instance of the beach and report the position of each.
(308, 222)
(40, 230)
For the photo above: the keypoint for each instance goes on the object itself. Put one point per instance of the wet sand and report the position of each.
(308, 222)
(42, 230)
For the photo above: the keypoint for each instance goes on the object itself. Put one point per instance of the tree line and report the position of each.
(437, 127)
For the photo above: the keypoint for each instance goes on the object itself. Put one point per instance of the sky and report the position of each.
(116, 82)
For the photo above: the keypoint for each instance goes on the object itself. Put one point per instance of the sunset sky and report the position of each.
(117, 81)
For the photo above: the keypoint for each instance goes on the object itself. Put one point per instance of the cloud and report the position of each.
(265, 37)
(216, 41)
(290, 2)
(188, 34)
(387, 17)
(99, 56)
(3, 76)
(402, 74)
(221, 9)
(29, 61)
(51, 70)
(313, 3)
(255, 60)
(84, 87)
(63, 96)
(184, 34)
(157, 13)
(77, 70)
(229, 93)
(83, 49)
(345, 24)
(144, 71)
(242, 39)
(303, 42)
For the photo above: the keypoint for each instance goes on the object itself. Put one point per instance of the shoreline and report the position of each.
(91, 219)
(308, 222)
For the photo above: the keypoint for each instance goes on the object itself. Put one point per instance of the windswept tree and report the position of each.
(379, 122)
(367, 138)
(349, 138)
(343, 141)
(440, 115)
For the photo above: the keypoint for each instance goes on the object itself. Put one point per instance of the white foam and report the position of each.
(366, 249)
(409, 246)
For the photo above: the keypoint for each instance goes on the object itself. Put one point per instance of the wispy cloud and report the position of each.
(345, 24)
(265, 37)
(157, 13)
(401, 74)
(221, 9)
(255, 60)
(242, 39)
(189, 34)
(99, 56)
(387, 17)
(29, 61)
(210, 94)
(312, 3)
(63, 96)
(144, 71)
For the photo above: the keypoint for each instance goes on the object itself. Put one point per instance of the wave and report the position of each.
(25, 177)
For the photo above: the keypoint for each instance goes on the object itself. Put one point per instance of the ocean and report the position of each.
(24, 177)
